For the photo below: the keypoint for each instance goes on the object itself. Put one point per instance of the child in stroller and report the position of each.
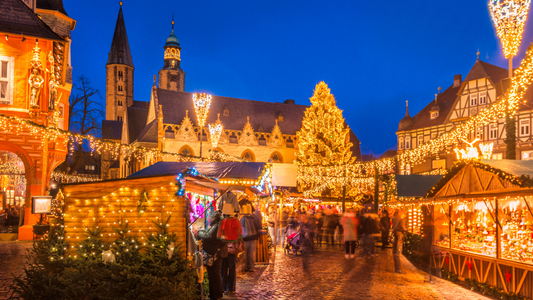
(298, 242)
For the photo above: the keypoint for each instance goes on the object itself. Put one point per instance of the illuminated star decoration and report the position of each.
(508, 276)
(509, 17)
(470, 152)
(215, 130)
(486, 150)
(202, 103)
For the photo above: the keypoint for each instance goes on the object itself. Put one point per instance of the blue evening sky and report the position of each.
(374, 55)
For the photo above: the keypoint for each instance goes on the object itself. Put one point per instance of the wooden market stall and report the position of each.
(106, 203)
(483, 224)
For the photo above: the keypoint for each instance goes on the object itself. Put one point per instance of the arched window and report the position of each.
(248, 155)
(186, 151)
(276, 157)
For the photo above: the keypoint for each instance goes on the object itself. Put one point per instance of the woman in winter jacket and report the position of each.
(350, 224)
(213, 246)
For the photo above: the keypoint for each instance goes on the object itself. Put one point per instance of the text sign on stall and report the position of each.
(41, 204)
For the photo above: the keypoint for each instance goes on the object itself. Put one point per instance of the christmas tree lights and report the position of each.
(509, 17)
(215, 130)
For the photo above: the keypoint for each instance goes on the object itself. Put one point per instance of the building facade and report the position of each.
(253, 130)
(483, 86)
(35, 85)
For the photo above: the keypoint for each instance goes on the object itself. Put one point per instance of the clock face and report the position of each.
(172, 53)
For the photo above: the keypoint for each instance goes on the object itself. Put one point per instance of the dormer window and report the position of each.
(434, 115)
(280, 117)
(226, 111)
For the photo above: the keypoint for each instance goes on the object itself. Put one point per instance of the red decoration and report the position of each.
(447, 260)
(469, 264)
(507, 276)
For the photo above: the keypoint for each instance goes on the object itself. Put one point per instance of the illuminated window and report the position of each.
(473, 100)
(434, 115)
(527, 155)
(89, 168)
(420, 140)
(407, 142)
(479, 132)
(524, 127)
(6, 79)
(186, 151)
(276, 158)
(280, 117)
(433, 135)
(482, 98)
(400, 144)
(493, 132)
(438, 164)
(248, 155)
(497, 156)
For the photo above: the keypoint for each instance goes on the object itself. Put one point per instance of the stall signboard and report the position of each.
(41, 204)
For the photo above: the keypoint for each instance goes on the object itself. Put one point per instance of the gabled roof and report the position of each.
(120, 47)
(111, 130)
(56, 5)
(149, 133)
(483, 69)
(261, 113)
(445, 100)
(136, 121)
(17, 18)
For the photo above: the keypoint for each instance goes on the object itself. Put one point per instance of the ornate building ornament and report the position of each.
(276, 138)
(36, 80)
(172, 53)
(186, 131)
(215, 130)
(248, 137)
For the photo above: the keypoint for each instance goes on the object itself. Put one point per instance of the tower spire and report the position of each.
(172, 22)
(120, 47)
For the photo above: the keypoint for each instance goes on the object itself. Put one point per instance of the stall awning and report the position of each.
(415, 186)
(237, 170)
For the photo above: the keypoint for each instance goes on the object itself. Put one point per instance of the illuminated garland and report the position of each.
(215, 155)
(519, 85)
(63, 177)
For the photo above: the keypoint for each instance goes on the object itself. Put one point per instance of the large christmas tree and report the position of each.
(323, 145)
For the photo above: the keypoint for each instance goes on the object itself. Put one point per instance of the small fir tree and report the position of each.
(125, 248)
(93, 245)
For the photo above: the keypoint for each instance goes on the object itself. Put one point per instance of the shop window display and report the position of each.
(473, 227)
(198, 204)
(517, 230)
(442, 225)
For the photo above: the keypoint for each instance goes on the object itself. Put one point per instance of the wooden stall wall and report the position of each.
(507, 276)
(104, 204)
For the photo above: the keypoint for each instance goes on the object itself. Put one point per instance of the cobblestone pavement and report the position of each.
(332, 276)
(12, 259)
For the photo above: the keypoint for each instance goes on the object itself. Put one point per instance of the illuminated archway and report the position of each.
(186, 151)
(13, 181)
(276, 157)
(248, 155)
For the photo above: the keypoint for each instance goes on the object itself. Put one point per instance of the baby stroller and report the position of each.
(297, 242)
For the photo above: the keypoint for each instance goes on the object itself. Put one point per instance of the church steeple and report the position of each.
(119, 73)
(171, 76)
(120, 47)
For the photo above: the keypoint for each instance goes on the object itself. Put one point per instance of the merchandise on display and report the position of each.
(474, 229)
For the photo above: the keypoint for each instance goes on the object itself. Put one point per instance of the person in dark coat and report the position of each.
(398, 229)
(212, 245)
(330, 223)
(385, 228)
(250, 244)
(319, 227)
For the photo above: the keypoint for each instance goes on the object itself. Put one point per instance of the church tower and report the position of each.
(171, 77)
(119, 73)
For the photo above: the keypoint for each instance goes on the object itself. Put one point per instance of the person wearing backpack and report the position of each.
(214, 250)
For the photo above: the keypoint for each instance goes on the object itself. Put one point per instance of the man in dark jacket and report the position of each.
(330, 223)
(212, 245)
(283, 225)
(385, 228)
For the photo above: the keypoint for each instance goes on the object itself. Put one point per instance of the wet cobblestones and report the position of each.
(330, 276)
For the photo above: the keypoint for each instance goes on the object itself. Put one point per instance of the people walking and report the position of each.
(398, 228)
(250, 244)
(350, 225)
(330, 223)
(385, 228)
(214, 252)
(319, 227)
(273, 220)
(283, 225)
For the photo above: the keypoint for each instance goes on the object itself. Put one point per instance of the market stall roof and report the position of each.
(236, 170)
(515, 167)
(415, 185)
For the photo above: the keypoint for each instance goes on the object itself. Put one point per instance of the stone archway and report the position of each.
(29, 166)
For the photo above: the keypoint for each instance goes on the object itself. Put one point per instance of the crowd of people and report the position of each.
(9, 217)
(322, 228)
(355, 227)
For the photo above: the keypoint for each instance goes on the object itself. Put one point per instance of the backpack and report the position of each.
(236, 247)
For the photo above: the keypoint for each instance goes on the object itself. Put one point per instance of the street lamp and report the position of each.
(215, 130)
(202, 103)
